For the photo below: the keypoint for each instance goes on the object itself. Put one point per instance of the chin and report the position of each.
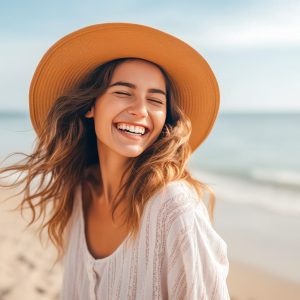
(131, 153)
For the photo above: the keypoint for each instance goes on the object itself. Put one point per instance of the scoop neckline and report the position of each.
(84, 240)
(91, 258)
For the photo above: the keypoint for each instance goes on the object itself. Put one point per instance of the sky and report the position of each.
(253, 47)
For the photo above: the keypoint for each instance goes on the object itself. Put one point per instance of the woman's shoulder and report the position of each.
(174, 199)
(181, 204)
(178, 192)
(192, 217)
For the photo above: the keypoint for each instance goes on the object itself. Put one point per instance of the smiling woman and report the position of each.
(127, 217)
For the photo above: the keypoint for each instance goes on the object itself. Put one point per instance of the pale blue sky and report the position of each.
(253, 47)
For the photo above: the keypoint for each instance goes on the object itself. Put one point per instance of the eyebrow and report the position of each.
(131, 85)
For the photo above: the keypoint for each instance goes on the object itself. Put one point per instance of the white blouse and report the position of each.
(178, 254)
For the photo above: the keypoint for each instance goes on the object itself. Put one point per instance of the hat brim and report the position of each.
(76, 54)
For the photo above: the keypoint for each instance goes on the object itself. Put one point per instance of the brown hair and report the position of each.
(66, 149)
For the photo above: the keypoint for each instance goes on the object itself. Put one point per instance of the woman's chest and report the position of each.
(102, 235)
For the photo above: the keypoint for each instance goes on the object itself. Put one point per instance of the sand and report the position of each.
(246, 282)
(26, 270)
(26, 273)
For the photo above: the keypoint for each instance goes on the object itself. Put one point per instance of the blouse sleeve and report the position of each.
(196, 258)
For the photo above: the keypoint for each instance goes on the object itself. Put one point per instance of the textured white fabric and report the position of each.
(178, 254)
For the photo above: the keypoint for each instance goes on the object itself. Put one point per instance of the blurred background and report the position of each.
(250, 159)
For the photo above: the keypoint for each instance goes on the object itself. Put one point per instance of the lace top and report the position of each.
(177, 255)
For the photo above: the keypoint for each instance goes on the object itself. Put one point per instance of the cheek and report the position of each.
(102, 124)
(160, 118)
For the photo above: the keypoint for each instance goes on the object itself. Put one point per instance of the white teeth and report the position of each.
(134, 129)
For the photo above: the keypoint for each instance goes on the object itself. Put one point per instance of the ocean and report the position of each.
(252, 162)
(256, 150)
(260, 147)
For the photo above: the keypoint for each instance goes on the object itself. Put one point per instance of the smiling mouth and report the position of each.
(132, 133)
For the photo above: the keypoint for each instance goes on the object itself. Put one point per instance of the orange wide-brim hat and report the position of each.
(73, 56)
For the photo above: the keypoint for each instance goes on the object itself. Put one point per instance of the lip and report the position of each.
(128, 135)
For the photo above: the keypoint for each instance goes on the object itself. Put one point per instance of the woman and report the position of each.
(118, 109)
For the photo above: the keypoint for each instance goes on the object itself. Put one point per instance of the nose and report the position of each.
(139, 108)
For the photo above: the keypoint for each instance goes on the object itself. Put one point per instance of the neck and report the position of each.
(111, 168)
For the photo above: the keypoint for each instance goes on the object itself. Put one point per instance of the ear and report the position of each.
(90, 113)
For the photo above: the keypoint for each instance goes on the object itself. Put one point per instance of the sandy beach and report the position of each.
(26, 273)
(25, 265)
(246, 282)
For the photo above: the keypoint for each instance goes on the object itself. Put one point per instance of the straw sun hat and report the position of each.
(71, 57)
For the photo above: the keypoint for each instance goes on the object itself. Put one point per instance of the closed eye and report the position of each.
(156, 101)
(122, 93)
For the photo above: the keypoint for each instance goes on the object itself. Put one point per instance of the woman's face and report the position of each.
(136, 95)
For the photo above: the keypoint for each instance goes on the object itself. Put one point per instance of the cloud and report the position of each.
(252, 27)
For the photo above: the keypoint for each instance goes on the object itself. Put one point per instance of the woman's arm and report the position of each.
(196, 258)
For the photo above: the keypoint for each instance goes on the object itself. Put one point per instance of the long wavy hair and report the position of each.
(65, 154)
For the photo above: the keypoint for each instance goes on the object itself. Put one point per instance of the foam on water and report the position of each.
(276, 200)
(287, 178)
